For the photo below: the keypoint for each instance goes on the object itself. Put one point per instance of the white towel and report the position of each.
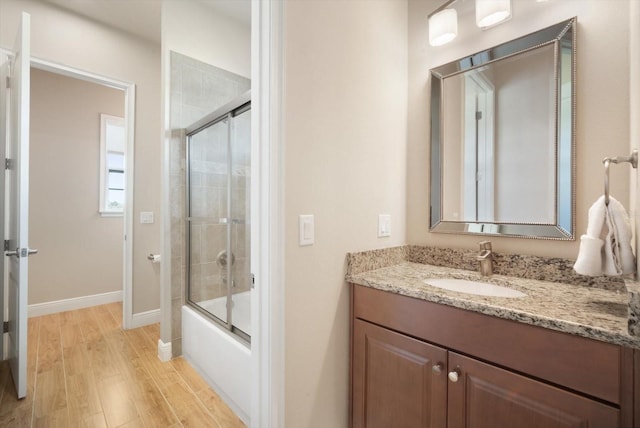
(589, 261)
(606, 247)
(619, 238)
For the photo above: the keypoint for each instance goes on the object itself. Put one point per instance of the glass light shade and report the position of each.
(443, 27)
(492, 12)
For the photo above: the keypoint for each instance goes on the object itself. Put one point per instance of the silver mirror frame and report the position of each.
(563, 37)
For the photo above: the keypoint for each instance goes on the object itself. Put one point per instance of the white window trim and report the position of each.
(104, 120)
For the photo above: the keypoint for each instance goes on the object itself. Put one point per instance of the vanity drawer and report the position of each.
(584, 365)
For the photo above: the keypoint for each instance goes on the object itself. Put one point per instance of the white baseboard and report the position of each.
(164, 351)
(56, 306)
(145, 318)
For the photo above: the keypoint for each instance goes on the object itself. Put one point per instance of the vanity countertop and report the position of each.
(590, 312)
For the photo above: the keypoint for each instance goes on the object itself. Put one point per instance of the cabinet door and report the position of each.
(485, 396)
(394, 381)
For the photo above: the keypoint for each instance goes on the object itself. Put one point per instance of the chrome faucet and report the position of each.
(485, 257)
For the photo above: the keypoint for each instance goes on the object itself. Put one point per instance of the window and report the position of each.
(112, 165)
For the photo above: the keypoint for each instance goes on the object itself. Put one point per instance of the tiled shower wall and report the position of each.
(197, 89)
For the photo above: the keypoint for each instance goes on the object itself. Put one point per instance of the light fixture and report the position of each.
(443, 27)
(492, 12)
(443, 22)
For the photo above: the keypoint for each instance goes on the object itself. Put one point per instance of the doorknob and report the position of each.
(21, 252)
(13, 253)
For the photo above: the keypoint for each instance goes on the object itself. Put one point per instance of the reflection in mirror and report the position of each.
(502, 139)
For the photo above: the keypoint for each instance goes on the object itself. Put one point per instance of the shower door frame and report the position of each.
(236, 107)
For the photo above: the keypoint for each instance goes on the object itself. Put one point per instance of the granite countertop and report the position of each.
(596, 313)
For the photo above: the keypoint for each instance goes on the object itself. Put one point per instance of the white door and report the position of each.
(479, 162)
(18, 199)
(4, 132)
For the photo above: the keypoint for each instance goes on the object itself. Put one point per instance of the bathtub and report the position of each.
(222, 360)
(241, 309)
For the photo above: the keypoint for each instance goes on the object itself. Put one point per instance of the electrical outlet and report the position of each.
(146, 217)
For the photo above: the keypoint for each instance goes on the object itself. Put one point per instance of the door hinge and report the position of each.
(8, 163)
(8, 82)
(253, 281)
(6, 245)
(5, 327)
(478, 115)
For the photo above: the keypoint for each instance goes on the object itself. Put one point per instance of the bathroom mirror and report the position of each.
(502, 139)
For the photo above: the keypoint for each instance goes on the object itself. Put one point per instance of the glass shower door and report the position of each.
(217, 226)
(208, 153)
(240, 214)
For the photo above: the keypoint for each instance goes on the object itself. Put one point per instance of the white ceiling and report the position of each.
(142, 17)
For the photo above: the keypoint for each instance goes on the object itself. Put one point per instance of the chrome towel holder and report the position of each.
(632, 159)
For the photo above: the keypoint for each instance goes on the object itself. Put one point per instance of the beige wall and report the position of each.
(69, 39)
(200, 32)
(602, 111)
(345, 151)
(80, 252)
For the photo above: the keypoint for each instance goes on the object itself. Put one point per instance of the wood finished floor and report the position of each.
(85, 371)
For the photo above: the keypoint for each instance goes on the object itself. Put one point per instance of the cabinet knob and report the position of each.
(454, 375)
(437, 368)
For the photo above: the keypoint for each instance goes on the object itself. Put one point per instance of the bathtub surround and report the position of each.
(606, 311)
(197, 89)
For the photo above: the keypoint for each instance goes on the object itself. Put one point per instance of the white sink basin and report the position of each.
(473, 287)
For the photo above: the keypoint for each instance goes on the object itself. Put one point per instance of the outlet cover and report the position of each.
(146, 217)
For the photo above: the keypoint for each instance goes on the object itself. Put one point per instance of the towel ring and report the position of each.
(632, 159)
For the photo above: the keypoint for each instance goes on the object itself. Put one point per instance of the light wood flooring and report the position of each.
(85, 371)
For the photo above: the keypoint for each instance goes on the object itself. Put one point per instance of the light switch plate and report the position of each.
(307, 232)
(384, 225)
(146, 217)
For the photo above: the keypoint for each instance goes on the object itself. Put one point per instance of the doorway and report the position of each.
(87, 257)
(76, 193)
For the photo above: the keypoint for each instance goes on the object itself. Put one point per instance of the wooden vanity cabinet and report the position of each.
(486, 396)
(407, 380)
(394, 384)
